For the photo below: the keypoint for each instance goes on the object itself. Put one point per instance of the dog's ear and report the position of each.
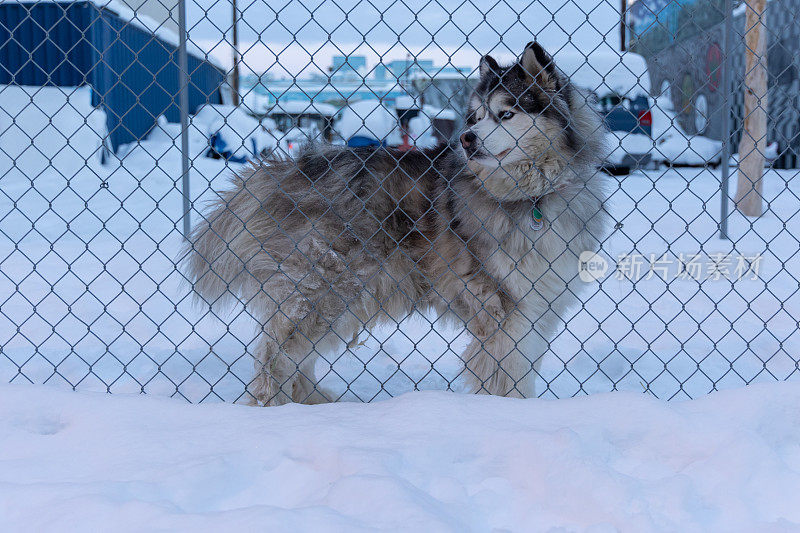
(488, 66)
(538, 67)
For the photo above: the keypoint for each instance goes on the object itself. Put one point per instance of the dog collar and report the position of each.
(536, 218)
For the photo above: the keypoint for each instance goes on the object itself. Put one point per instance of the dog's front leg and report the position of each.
(495, 360)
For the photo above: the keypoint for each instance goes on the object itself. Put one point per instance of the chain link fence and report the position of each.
(581, 269)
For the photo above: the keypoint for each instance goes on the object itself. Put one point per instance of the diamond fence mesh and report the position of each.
(407, 213)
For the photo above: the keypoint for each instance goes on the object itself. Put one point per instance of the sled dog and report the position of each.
(486, 234)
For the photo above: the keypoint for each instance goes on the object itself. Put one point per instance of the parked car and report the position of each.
(627, 151)
(626, 113)
(619, 86)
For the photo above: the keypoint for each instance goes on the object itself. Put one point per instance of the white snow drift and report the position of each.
(49, 127)
(236, 132)
(369, 119)
(430, 461)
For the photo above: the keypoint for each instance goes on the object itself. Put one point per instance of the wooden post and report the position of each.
(754, 131)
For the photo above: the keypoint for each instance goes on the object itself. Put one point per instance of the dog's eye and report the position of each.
(505, 115)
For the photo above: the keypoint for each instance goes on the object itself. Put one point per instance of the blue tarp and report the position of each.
(357, 141)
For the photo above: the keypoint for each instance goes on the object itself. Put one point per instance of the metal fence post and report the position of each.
(726, 122)
(184, 110)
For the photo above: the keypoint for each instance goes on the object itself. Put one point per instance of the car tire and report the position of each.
(701, 111)
(616, 171)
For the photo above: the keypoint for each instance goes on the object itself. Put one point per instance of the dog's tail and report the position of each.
(221, 253)
(208, 261)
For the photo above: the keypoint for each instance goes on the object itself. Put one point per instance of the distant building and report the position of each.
(336, 91)
(349, 67)
(352, 80)
(404, 69)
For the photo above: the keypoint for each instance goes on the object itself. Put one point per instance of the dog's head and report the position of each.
(521, 125)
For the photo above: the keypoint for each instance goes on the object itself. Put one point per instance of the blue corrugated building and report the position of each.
(133, 72)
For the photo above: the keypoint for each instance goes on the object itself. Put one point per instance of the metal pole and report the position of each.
(183, 77)
(727, 88)
(235, 80)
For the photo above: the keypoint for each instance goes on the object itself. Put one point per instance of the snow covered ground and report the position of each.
(430, 461)
(92, 298)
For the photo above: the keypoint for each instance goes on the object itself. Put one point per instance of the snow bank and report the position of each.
(673, 145)
(233, 131)
(444, 114)
(367, 118)
(420, 131)
(299, 107)
(425, 461)
(770, 155)
(406, 102)
(605, 71)
(689, 150)
(40, 126)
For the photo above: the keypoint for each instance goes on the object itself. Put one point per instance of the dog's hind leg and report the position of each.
(306, 312)
(285, 372)
(281, 350)
(274, 374)
(287, 355)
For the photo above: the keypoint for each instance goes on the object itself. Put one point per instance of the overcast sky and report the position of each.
(285, 36)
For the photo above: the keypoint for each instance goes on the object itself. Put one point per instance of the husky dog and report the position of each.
(488, 235)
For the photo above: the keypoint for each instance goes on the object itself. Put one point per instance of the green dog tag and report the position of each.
(536, 219)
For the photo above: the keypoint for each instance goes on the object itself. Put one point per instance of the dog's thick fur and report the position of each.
(340, 239)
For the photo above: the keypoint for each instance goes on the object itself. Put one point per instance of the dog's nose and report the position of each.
(467, 138)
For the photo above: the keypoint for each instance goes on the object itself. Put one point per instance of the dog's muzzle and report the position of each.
(472, 148)
(469, 141)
